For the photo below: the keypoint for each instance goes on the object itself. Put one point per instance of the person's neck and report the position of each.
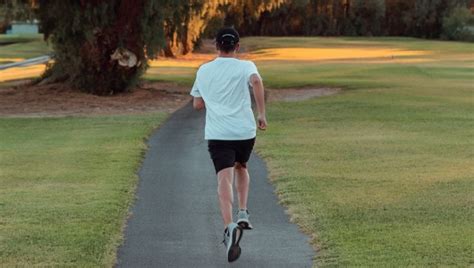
(228, 55)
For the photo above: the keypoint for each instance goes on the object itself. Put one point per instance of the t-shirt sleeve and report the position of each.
(251, 69)
(195, 90)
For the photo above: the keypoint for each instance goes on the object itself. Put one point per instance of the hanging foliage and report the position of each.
(187, 20)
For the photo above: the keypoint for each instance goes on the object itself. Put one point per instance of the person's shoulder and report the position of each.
(248, 64)
(206, 65)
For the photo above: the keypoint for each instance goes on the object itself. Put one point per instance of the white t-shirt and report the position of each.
(224, 86)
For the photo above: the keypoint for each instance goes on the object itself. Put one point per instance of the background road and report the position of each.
(176, 222)
(27, 62)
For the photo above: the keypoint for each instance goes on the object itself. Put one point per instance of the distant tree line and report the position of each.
(417, 18)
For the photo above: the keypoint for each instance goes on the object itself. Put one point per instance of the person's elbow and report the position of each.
(198, 103)
(198, 106)
(256, 82)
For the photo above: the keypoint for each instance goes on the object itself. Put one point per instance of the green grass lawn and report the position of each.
(458, 57)
(383, 178)
(21, 46)
(382, 174)
(66, 184)
(19, 38)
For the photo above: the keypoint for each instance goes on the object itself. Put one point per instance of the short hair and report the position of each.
(227, 39)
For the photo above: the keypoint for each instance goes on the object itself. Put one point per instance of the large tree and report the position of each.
(101, 46)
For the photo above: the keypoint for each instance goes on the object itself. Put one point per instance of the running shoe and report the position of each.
(243, 219)
(232, 235)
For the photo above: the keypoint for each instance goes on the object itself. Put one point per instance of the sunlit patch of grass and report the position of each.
(339, 62)
(192, 61)
(318, 54)
(11, 59)
(405, 43)
(17, 73)
(175, 63)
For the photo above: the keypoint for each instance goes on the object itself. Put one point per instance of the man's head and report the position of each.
(227, 40)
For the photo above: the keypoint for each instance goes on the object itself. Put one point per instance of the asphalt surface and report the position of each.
(176, 222)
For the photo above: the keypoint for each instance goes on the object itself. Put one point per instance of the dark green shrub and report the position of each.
(458, 25)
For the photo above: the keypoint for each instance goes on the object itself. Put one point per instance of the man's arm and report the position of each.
(259, 94)
(198, 103)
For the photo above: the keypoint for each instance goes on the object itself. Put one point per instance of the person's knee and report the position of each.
(240, 166)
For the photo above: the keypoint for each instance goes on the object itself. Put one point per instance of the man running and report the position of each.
(222, 87)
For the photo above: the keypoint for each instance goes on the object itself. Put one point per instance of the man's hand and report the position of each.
(262, 122)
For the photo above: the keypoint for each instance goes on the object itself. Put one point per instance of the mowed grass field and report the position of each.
(66, 185)
(380, 175)
(19, 47)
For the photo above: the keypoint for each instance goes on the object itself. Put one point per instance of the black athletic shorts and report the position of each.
(225, 153)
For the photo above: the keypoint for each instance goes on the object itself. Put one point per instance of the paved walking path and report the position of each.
(176, 220)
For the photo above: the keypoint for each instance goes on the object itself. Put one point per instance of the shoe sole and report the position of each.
(244, 225)
(234, 251)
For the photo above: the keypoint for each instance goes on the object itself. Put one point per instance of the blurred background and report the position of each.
(83, 34)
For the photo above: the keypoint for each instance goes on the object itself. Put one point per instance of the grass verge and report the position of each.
(382, 175)
(19, 47)
(67, 184)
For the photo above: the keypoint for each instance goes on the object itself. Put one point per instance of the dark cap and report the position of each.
(227, 36)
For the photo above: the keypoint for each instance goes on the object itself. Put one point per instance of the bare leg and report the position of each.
(242, 182)
(225, 179)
